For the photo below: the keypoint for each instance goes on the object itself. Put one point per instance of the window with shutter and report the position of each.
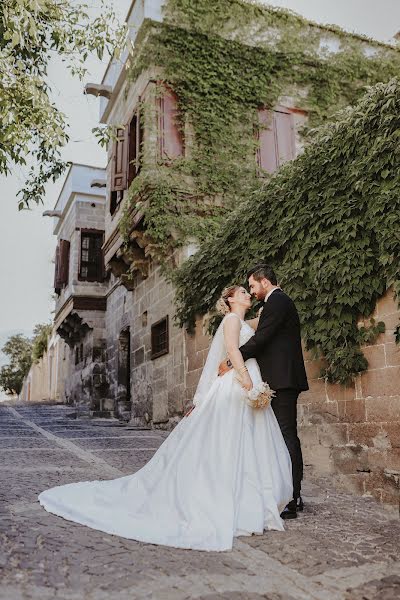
(91, 264)
(170, 138)
(276, 139)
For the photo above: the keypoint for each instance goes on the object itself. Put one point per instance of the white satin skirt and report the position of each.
(224, 471)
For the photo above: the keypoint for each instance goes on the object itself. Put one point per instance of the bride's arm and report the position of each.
(231, 337)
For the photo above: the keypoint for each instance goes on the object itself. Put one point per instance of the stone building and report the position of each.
(128, 356)
(152, 364)
(80, 285)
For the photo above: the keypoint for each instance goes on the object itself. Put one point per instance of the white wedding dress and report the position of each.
(224, 471)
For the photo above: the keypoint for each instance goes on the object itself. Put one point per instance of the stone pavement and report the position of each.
(341, 548)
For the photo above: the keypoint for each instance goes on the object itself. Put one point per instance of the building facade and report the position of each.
(80, 285)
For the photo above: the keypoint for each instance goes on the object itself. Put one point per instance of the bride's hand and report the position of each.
(246, 382)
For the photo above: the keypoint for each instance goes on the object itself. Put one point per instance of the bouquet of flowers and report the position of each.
(259, 396)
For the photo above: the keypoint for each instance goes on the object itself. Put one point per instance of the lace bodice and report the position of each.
(246, 332)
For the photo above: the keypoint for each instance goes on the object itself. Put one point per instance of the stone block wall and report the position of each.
(353, 431)
(158, 385)
(118, 319)
(87, 382)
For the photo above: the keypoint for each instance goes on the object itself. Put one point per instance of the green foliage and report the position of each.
(41, 334)
(19, 350)
(224, 59)
(30, 123)
(172, 214)
(329, 223)
(367, 335)
(22, 352)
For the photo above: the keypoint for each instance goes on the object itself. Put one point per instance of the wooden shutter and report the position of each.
(284, 134)
(132, 152)
(139, 140)
(266, 153)
(169, 133)
(135, 145)
(119, 176)
(57, 284)
(136, 134)
(64, 262)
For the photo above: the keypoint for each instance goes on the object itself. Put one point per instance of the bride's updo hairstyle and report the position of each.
(223, 306)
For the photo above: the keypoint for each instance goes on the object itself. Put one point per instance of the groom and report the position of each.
(276, 346)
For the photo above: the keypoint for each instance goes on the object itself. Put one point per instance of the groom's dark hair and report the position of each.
(261, 271)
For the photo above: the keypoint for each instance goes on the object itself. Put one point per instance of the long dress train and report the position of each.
(224, 471)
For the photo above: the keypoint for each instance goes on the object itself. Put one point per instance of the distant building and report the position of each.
(80, 284)
(47, 378)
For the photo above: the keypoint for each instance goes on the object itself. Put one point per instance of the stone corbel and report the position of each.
(98, 89)
(117, 266)
(128, 281)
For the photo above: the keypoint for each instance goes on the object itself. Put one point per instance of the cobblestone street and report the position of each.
(341, 547)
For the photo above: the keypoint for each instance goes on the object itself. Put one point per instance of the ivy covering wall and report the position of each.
(329, 222)
(224, 60)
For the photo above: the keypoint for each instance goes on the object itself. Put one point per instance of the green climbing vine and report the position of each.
(222, 70)
(329, 222)
(224, 60)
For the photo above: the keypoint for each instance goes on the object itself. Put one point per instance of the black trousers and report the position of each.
(284, 405)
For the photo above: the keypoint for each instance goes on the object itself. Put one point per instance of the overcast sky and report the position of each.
(26, 240)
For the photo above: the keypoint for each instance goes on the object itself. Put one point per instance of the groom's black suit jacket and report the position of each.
(276, 344)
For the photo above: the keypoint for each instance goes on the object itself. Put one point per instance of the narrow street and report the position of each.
(341, 547)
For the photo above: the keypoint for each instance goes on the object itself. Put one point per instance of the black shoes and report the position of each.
(294, 506)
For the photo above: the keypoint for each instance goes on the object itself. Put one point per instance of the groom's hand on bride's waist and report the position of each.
(224, 367)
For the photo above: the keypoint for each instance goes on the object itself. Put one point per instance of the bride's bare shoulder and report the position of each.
(227, 318)
(230, 324)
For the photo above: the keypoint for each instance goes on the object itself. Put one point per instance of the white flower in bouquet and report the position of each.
(259, 396)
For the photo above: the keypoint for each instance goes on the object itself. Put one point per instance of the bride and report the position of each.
(224, 471)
